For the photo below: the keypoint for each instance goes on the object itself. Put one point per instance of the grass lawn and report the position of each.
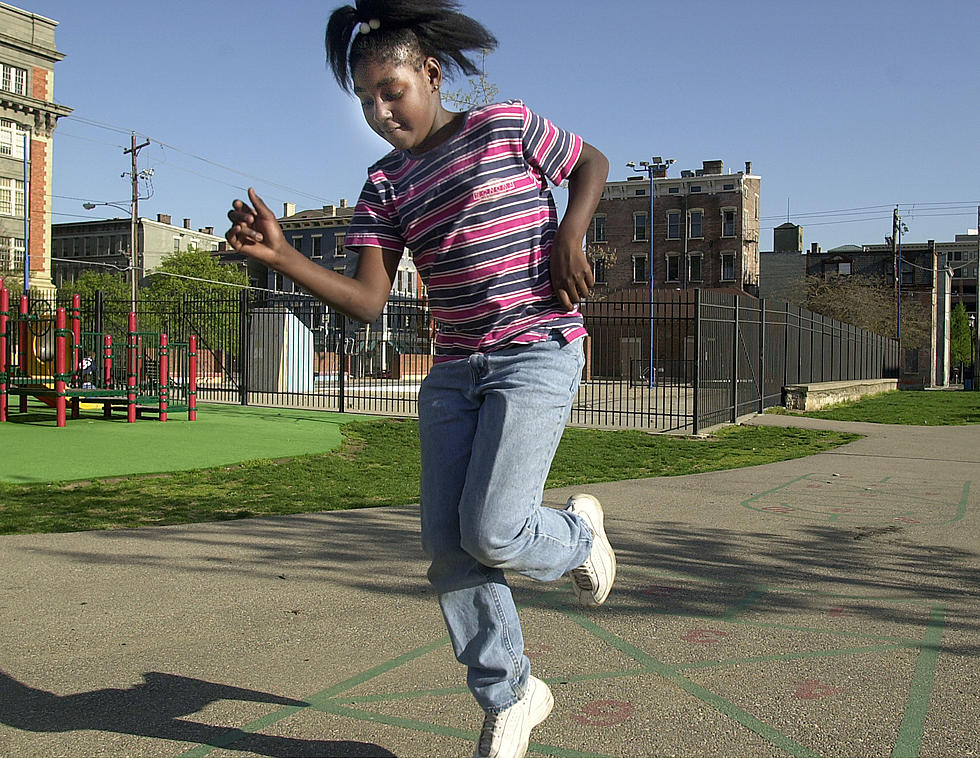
(926, 408)
(377, 464)
(34, 449)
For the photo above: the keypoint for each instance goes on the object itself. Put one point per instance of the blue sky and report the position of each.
(844, 108)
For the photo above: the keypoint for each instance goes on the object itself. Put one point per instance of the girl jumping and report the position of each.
(467, 194)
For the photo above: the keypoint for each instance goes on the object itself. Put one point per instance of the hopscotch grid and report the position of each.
(333, 700)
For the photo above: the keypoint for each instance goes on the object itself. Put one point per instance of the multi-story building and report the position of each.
(922, 279)
(783, 270)
(103, 245)
(961, 256)
(27, 110)
(320, 235)
(705, 231)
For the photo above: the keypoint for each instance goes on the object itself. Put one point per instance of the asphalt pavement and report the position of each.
(825, 606)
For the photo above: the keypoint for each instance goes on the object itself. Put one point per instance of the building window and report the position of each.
(695, 188)
(674, 190)
(12, 139)
(673, 225)
(13, 79)
(340, 249)
(695, 224)
(728, 222)
(639, 192)
(176, 244)
(598, 228)
(298, 243)
(844, 269)
(640, 268)
(728, 188)
(673, 268)
(317, 247)
(599, 270)
(11, 251)
(11, 197)
(728, 267)
(694, 268)
(639, 227)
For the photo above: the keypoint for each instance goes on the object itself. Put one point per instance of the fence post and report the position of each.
(341, 362)
(243, 347)
(734, 358)
(99, 308)
(762, 355)
(697, 359)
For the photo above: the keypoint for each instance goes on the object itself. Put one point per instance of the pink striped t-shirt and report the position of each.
(478, 216)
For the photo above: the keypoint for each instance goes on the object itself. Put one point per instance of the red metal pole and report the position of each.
(107, 382)
(4, 320)
(131, 371)
(22, 347)
(164, 376)
(60, 362)
(107, 362)
(192, 380)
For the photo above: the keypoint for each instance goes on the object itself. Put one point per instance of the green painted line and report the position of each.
(381, 668)
(749, 599)
(830, 632)
(234, 735)
(909, 738)
(961, 506)
(747, 503)
(706, 696)
(316, 701)
(443, 731)
(405, 695)
(794, 656)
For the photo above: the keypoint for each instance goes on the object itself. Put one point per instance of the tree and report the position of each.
(482, 90)
(196, 273)
(867, 302)
(960, 338)
(113, 286)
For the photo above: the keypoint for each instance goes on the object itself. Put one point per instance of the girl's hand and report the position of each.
(571, 274)
(254, 230)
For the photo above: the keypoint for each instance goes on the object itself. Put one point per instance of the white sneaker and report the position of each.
(594, 578)
(506, 734)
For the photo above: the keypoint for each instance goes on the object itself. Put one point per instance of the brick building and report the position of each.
(705, 231)
(27, 58)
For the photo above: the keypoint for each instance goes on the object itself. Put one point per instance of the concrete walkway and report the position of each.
(827, 606)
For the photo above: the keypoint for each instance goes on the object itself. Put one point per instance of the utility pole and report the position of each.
(134, 260)
(895, 284)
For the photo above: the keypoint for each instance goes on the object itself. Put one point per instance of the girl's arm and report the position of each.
(257, 234)
(571, 274)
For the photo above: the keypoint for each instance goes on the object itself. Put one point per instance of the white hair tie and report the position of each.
(367, 26)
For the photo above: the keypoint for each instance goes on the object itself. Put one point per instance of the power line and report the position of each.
(208, 161)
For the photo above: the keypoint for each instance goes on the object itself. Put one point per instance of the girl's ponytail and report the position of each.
(340, 30)
(424, 28)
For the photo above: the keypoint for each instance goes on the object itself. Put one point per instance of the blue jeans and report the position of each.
(489, 426)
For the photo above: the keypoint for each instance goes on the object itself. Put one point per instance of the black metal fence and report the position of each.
(693, 360)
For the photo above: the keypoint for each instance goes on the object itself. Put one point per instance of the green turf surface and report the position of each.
(34, 449)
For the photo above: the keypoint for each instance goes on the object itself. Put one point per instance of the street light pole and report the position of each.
(27, 210)
(651, 168)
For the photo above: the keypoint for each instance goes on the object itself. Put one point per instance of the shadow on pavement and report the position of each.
(154, 709)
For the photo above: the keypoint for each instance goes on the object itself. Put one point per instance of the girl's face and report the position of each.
(400, 102)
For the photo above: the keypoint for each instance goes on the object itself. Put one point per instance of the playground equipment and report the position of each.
(41, 356)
